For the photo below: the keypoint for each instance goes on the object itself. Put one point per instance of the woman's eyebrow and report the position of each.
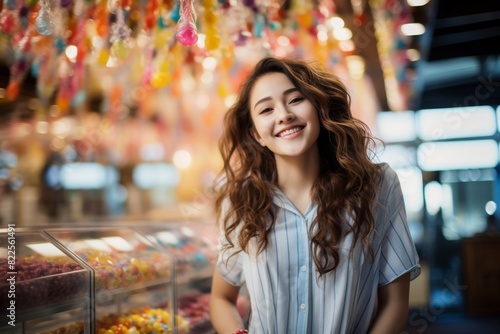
(286, 92)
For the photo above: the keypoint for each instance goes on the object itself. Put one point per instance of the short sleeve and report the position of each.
(398, 253)
(230, 267)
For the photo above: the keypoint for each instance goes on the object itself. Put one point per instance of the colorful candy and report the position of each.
(186, 27)
(212, 40)
(43, 23)
(122, 269)
(41, 281)
(145, 320)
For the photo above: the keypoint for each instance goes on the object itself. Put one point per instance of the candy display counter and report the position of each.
(42, 285)
(194, 251)
(140, 277)
(132, 290)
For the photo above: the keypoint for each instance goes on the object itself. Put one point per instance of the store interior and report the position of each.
(110, 115)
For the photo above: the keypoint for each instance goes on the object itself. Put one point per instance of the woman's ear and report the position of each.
(256, 136)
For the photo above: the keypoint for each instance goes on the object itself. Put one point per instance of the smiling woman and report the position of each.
(284, 120)
(315, 230)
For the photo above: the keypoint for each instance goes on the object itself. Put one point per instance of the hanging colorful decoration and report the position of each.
(60, 39)
(186, 27)
(43, 23)
(389, 16)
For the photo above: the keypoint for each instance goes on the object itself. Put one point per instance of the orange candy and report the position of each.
(12, 90)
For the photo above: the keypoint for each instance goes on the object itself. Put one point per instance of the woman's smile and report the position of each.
(290, 131)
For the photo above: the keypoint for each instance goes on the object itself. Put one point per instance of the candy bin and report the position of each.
(191, 242)
(132, 279)
(43, 287)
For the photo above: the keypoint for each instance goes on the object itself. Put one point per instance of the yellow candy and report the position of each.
(161, 79)
(120, 50)
(102, 57)
(210, 18)
(163, 37)
(212, 42)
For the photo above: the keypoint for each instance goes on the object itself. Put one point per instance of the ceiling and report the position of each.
(460, 54)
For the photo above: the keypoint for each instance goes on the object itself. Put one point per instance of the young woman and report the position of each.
(313, 228)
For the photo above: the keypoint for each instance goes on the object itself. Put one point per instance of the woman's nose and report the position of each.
(284, 115)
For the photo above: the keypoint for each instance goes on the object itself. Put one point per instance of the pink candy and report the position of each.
(186, 27)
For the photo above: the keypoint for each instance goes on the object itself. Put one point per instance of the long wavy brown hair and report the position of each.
(347, 181)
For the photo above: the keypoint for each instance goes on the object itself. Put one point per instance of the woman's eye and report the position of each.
(296, 100)
(266, 110)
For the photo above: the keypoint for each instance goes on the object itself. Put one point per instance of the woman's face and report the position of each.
(285, 121)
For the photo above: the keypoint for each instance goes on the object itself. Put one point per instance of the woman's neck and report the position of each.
(296, 175)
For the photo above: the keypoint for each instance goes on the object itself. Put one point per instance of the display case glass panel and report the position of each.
(43, 287)
(132, 278)
(195, 256)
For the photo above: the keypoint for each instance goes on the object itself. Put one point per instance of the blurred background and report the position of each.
(111, 111)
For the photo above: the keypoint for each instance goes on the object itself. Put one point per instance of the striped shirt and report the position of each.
(286, 293)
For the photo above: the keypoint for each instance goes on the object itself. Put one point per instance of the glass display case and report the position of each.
(112, 277)
(42, 287)
(132, 285)
(195, 255)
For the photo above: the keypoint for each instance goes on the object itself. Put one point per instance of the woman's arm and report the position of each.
(392, 308)
(223, 312)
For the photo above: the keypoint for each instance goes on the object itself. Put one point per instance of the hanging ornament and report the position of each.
(7, 21)
(101, 19)
(112, 6)
(10, 4)
(12, 90)
(259, 24)
(23, 16)
(175, 14)
(102, 57)
(163, 76)
(44, 24)
(120, 37)
(212, 40)
(65, 3)
(186, 27)
(237, 20)
(150, 18)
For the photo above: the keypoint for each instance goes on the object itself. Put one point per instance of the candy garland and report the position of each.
(389, 15)
(44, 24)
(186, 27)
(212, 39)
(112, 22)
(223, 26)
(121, 40)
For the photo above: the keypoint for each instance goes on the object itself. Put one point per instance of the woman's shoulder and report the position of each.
(386, 169)
(389, 178)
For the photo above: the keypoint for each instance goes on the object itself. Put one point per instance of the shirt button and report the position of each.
(303, 268)
(303, 306)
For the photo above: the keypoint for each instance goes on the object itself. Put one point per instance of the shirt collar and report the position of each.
(282, 201)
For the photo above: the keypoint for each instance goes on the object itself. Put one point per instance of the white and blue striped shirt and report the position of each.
(286, 294)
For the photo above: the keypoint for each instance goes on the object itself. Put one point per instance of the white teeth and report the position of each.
(289, 131)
